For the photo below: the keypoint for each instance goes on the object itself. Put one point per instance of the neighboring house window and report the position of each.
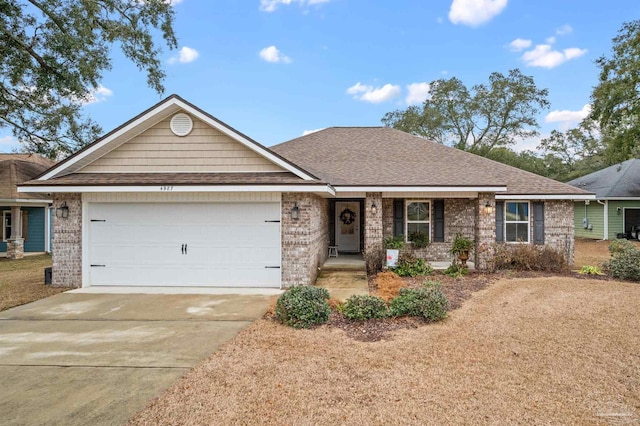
(6, 225)
(516, 221)
(418, 218)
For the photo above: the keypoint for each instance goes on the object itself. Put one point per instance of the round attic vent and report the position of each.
(181, 124)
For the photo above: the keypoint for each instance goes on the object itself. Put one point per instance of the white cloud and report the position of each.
(308, 132)
(185, 55)
(550, 40)
(543, 56)
(272, 5)
(418, 92)
(519, 44)
(565, 29)
(272, 54)
(374, 95)
(98, 95)
(559, 116)
(7, 140)
(475, 12)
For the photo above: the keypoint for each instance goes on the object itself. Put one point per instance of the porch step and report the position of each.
(343, 284)
(345, 263)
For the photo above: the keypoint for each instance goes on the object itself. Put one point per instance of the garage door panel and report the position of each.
(228, 244)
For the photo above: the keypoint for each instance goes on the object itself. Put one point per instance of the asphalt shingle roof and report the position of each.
(18, 168)
(617, 181)
(381, 156)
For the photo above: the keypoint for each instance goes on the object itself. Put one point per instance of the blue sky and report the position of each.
(274, 69)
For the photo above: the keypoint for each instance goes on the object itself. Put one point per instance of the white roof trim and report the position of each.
(619, 198)
(573, 197)
(420, 188)
(24, 201)
(157, 110)
(182, 188)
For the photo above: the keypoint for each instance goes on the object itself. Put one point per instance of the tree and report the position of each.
(480, 119)
(53, 54)
(574, 153)
(616, 100)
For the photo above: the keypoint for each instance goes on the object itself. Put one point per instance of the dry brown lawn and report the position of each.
(592, 252)
(22, 281)
(541, 350)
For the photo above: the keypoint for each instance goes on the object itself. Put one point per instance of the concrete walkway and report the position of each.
(344, 276)
(78, 359)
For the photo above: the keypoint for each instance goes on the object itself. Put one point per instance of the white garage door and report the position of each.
(196, 244)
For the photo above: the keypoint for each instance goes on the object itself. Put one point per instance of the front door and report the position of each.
(348, 226)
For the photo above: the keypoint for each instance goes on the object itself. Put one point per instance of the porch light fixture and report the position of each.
(619, 211)
(295, 211)
(488, 208)
(374, 208)
(62, 211)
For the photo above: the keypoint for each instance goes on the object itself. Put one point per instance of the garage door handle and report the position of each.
(98, 266)
(183, 249)
(272, 267)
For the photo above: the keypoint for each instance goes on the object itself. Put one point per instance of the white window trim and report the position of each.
(5, 213)
(528, 222)
(407, 221)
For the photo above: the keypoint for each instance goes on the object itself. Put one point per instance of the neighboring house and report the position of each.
(25, 216)
(617, 206)
(176, 197)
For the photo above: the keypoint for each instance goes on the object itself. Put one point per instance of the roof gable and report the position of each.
(141, 126)
(18, 168)
(382, 156)
(617, 181)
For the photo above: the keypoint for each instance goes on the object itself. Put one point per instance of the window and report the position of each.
(6, 225)
(418, 216)
(516, 221)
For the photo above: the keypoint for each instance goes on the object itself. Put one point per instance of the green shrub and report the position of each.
(455, 270)
(428, 302)
(361, 308)
(625, 262)
(419, 239)
(528, 257)
(618, 246)
(410, 266)
(396, 242)
(303, 306)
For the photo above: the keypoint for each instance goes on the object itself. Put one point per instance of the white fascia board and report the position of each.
(620, 198)
(572, 197)
(244, 141)
(56, 170)
(24, 201)
(420, 188)
(183, 188)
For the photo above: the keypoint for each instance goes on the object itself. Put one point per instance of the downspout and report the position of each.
(606, 218)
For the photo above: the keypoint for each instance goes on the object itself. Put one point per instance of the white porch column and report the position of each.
(15, 244)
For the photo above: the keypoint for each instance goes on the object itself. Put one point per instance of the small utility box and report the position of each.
(47, 275)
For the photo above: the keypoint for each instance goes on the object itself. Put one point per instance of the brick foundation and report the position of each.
(67, 242)
(15, 248)
(304, 240)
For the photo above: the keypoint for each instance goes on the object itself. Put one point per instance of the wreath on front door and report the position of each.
(347, 216)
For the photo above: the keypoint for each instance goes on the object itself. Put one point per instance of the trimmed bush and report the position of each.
(410, 266)
(428, 302)
(455, 271)
(625, 261)
(619, 246)
(361, 308)
(303, 306)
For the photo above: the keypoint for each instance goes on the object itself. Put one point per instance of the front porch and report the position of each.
(355, 262)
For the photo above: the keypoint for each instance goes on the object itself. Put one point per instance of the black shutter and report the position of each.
(398, 217)
(438, 221)
(538, 222)
(500, 221)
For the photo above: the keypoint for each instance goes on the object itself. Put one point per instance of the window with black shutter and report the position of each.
(438, 221)
(500, 221)
(538, 222)
(398, 217)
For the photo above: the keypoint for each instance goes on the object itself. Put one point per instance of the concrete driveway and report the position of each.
(99, 358)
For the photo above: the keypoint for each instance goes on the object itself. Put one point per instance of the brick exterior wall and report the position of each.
(459, 216)
(67, 242)
(304, 240)
(485, 234)
(373, 232)
(559, 227)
